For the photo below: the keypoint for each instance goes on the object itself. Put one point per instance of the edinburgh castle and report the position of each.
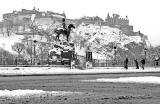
(19, 21)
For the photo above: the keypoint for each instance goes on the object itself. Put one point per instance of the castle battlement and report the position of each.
(116, 20)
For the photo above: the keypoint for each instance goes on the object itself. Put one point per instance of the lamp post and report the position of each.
(35, 41)
(41, 57)
(145, 52)
(114, 49)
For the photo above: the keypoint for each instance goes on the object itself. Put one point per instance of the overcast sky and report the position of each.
(143, 14)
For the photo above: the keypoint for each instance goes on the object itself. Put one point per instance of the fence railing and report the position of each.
(120, 63)
(80, 62)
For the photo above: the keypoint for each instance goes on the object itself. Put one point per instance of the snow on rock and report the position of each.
(106, 34)
(142, 79)
(97, 38)
(28, 92)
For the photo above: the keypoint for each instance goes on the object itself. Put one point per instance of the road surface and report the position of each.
(94, 92)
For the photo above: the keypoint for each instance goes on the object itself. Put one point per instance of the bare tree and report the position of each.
(30, 53)
(18, 47)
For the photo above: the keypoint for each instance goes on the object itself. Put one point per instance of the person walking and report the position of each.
(156, 62)
(136, 63)
(143, 63)
(16, 61)
(126, 63)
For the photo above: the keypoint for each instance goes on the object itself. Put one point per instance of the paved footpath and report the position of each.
(7, 71)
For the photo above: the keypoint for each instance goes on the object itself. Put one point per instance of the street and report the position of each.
(96, 92)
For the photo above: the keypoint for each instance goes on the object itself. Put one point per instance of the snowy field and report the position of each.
(28, 92)
(67, 70)
(142, 80)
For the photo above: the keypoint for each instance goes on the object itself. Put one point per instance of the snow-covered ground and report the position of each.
(143, 79)
(28, 92)
(67, 70)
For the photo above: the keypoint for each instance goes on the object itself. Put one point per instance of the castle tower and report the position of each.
(108, 16)
(34, 8)
(127, 20)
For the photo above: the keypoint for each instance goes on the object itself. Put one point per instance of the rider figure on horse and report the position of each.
(64, 23)
(65, 30)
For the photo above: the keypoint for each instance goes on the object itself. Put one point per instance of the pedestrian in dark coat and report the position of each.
(156, 61)
(16, 61)
(143, 63)
(136, 63)
(126, 63)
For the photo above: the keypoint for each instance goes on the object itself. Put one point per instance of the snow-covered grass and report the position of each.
(28, 92)
(143, 79)
(67, 70)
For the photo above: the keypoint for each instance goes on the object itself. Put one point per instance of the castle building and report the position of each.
(20, 21)
(90, 20)
(118, 22)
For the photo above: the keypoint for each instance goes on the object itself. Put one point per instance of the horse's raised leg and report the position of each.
(57, 37)
(67, 37)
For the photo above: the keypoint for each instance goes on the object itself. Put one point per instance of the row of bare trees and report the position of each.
(27, 53)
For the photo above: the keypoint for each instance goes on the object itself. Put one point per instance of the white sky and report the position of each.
(143, 14)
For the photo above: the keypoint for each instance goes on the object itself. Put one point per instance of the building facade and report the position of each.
(20, 21)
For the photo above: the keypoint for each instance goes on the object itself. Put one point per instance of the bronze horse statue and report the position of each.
(65, 31)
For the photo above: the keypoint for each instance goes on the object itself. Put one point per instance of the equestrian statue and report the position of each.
(65, 30)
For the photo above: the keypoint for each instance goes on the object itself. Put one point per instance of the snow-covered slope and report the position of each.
(101, 40)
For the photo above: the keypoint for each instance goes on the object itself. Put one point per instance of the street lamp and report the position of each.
(145, 52)
(114, 50)
(35, 41)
